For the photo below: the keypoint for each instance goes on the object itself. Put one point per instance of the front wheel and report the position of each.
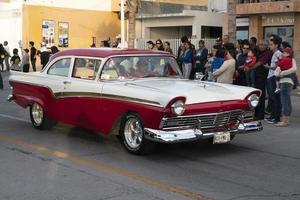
(37, 117)
(133, 136)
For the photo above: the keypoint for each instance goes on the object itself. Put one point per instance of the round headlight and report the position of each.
(178, 108)
(253, 100)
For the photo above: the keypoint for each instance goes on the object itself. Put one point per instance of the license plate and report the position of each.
(221, 137)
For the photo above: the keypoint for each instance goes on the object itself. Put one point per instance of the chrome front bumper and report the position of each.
(195, 134)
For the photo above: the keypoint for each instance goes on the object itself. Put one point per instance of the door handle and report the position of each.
(66, 82)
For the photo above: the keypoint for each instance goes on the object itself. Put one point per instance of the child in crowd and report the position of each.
(284, 63)
(15, 61)
(217, 62)
(250, 62)
(210, 59)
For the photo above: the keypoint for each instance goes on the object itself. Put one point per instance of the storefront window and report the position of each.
(242, 34)
(285, 32)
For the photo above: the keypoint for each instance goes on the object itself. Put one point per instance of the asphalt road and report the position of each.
(68, 163)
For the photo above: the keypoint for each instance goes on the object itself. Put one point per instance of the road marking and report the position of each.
(14, 118)
(97, 165)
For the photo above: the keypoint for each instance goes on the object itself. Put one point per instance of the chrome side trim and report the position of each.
(59, 95)
(132, 99)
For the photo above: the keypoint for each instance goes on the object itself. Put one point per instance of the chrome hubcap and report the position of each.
(37, 114)
(133, 133)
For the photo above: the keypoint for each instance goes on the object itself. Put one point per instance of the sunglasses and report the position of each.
(158, 43)
(246, 48)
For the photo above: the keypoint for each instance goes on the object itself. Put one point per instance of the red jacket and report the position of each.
(250, 61)
(285, 63)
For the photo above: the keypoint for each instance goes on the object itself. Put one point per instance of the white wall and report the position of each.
(196, 19)
(217, 5)
(101, 5)
(11, 25)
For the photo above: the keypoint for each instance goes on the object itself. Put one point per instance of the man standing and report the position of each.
(44, 55)
(261, 73)
(274, 99)
(32, 55)
(201, 57)
(241, 60)
(7, 55)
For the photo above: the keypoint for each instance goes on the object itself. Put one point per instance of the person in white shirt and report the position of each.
(225, 73)
(274, 99)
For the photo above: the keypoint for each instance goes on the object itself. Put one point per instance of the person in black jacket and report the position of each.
(201, 57)
(33, 53)
(44, 55)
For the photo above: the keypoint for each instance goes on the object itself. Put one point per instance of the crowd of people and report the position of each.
(265, 65)
(28, 57)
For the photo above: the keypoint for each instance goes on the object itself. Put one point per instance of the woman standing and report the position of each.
(187, 60)
(286, 86)
(226, 72)
(167, 47)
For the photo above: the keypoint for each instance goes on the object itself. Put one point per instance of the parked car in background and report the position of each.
(136, 94)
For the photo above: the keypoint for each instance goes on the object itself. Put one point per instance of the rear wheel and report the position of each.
(133, 137)
(37, 116)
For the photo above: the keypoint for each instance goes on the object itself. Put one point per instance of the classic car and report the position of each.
(136, 94)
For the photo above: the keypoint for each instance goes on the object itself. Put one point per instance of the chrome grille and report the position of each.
(207, 120)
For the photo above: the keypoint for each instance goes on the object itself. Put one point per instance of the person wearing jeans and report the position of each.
(286, 86)
(274, 99)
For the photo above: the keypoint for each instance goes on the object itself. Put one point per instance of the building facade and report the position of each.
(267, 17)
(171, 19)
(61, 23)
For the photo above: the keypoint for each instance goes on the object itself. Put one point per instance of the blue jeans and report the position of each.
(274, 99)
(285, 96)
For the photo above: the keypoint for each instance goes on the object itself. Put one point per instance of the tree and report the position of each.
(132, 7)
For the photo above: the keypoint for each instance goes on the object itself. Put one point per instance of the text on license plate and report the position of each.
(221, 137)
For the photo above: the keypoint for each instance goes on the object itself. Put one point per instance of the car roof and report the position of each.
(106, 52)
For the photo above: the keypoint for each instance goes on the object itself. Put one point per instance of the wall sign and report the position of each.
(48, 32)
(278, 20)
(63, 34)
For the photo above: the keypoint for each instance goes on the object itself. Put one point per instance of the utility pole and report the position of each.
(122, 24)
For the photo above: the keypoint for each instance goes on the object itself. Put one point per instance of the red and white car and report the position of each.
(136, 94)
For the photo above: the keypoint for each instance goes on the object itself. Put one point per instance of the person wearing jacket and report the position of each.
(44, 55)
(187, 60)
(225, 73)
(201, 57)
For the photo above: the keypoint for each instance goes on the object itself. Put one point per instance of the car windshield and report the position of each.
(131, 67)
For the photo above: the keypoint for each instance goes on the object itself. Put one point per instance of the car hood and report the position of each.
(164, 90)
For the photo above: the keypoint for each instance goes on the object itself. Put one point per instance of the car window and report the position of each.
(130, 67)
(60, 67)
(85, 68)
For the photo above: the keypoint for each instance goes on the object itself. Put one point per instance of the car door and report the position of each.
(56, 79)
(82, 93)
